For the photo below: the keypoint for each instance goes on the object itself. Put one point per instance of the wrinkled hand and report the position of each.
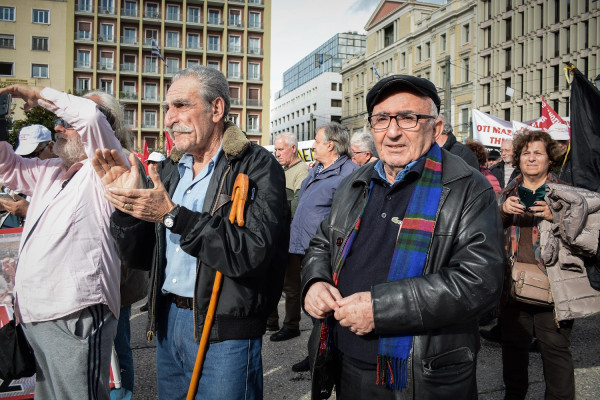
(31, 94)
(356, 313)
(542, 210)
(17, 207)
(114, 172)
(321, 299)
(512, 205)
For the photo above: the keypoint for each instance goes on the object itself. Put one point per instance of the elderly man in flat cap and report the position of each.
(406, 262)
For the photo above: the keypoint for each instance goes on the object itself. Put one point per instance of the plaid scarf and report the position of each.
(408, 260)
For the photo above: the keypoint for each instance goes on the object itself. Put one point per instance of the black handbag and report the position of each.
(16, 356)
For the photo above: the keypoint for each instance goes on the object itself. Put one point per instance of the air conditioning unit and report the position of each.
(100, 39)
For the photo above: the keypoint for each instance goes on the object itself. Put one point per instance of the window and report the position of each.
(172, 65)
(129, 36)
(464, 119)
(129, 118)
(106, 33)
(193, 41)
(151, 10)
(507, 83)
(443, 42)
(508, 26)
(84, 31)
(193, 14)
(150, 64)
(556, 76)
(7, 68)
(254, 45)
(253, 97)
(214, 64)
(130, 9)
(84, 6)
(214, 17)
(40, 16)
(336, 103)
(235, 44)
(233, 69)
(252, 123)
(466, 70)
(83, 84)
(106, 85)
(508, 59)
(149, 119)
(388, 35)
(128, 90)
(466, 33)
(254, 71)
(150, 92)
(106, 61)
(83, 59)
(173, 13)
(235, 18)
(507, 114)
(39, 70)
(213, 43)
(235, 118)
(107, 6)
(191, 62)
(172, 39)
(150, 34)
(7, 13)
(254, 20)
(128, 63)
(234, 95)
(427, 50)
(333, 86)
(7, 41)
(486, 94)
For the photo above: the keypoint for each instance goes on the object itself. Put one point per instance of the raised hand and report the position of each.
(114, 172)
(31, 94)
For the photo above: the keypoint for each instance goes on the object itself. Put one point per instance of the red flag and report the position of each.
(145, 156)
(549, 117)
(169, 143)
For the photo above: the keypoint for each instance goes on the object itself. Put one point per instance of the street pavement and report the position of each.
(280, 382)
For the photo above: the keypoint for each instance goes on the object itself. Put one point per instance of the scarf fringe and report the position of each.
(392, 372)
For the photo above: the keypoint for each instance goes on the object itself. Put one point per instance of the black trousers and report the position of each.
(518, 321)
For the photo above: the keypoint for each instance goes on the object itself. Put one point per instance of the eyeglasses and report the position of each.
(357, 152)
(37, 153)
(380, 122)
(62, 122)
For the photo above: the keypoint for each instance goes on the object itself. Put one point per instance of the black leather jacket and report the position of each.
(251, 258)
(462, 278)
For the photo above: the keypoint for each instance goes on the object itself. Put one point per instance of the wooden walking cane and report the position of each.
(238, 197)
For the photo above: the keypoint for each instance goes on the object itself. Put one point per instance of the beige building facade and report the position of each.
(35, 47)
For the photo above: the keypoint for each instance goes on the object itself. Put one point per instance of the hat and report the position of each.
(493, 155)
(30, 137)
(559, 132)
(420, 85)
(156, 157)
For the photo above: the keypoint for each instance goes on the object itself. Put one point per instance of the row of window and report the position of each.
(305, 111)
(37, 16)
(173, 13)
(37, 70)
(7, 41)
(150, 120)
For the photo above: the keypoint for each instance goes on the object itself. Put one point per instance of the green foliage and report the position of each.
(37, 115)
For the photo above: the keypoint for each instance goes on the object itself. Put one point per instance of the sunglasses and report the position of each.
(37, 153)
(62, 122)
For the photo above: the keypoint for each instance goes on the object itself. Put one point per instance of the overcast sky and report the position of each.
(299, 27)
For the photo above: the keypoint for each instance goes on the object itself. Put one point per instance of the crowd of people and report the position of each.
(396, 243)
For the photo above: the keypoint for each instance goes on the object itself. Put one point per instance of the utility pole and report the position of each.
(447, 99)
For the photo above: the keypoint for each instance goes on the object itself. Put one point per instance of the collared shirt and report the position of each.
(180, 275)
(70, 261)
(379, 169)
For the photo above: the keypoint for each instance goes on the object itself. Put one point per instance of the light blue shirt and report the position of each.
(180, 274)
(400, 175)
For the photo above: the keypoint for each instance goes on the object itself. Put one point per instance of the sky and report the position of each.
(300, 26)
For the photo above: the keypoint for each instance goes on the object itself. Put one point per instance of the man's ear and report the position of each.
(438, 127)
(218, 109)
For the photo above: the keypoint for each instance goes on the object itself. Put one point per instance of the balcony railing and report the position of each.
(255, 2)
(214, 47)
(255, 77)
(150, 97)
(127, 12)
(235, 101)
(193, 46)
(106, 66)
(106, 39)
(255, 25)
(252, 50)
(235, 22)
(151, 14)
(83, 7)
(106, 10)
(128, 67)
(173, 44)
(129, 124)
(174, 17)
(234, 48)
(215, 21)
(83, 35)
(129, 40)
(149, 125)
(234, 75)
(128, 95)
(254, 102)
(83, 65)
(151, 69)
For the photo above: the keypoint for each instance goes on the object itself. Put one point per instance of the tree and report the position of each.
(37, 115)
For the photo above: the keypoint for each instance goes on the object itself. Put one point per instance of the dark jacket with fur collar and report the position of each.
(251, 258)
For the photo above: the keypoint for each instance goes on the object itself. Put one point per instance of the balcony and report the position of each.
(149, 125)
(106, 10)
(255, 77)
(256, 3)
(236, 75)
(172, 44)
(233, 48)
(255, 25)
(193, 47)
(215, 22)
(152, 14)
(106, 39)
(151, 69)
(253, 102)
(83, 35)
(129, 40)
(128, 67)
(83, 8)
(173, 17)
(235, 23)
(82, 65)
(235, 101)
(105, 66)
(255, 51)
(214, 48)
(127, 12)
(129, 124)
(128, 95)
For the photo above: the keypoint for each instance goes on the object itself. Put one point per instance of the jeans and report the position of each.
(232, 369)
(123, 349)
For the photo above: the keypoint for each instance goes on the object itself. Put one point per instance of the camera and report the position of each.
(4, 110)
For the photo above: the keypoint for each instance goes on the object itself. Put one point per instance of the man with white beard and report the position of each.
(67, 282)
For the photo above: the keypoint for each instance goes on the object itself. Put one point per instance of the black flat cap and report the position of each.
(411, 83)
(493, 155)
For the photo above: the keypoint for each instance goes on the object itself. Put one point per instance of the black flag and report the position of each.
(583, 165)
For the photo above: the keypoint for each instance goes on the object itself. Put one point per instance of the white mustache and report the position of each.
(178, 128)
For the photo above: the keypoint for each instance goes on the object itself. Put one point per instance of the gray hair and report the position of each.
(211, 84)
(113, 111)
(447, 127)
(288, 137)
(336, 133)
(364, 141)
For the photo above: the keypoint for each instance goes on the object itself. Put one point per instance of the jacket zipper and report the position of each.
(152, 302)
(365, 190)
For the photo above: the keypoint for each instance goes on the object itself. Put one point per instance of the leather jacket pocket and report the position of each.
(449, 368)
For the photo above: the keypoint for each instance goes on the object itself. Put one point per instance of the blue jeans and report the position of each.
(232, 369)
(123, 349)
